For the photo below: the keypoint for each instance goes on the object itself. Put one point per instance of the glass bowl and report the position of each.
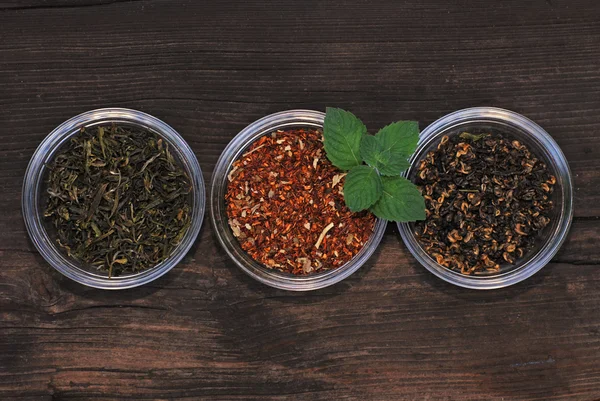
(272, 277)
(540, 143)
(34, 194)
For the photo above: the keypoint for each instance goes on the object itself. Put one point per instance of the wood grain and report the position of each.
(392, 331)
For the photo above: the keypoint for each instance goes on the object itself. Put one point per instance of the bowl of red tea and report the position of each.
(278, 206)
(498, 196)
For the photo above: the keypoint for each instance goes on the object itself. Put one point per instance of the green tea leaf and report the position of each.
(401, 201)
(371, 151)
(342, 134)
(127, 211)
(472, 137)
(362, 188)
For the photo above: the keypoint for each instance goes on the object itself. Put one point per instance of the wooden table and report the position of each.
(391, 331)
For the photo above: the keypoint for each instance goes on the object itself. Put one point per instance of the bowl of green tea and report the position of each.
(113, 198)
(498, 198)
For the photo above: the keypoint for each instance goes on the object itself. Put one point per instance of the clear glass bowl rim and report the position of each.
(274, 278)
(560, 164)
(33, 180)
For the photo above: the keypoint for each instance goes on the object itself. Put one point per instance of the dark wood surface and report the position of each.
(392, 331)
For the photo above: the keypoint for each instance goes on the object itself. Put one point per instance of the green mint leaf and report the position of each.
(400, 137)
(394, 166)
(376, 186)
(371, 151)
(401, 201)
(342, 134)
(400, 140)
(362, 188)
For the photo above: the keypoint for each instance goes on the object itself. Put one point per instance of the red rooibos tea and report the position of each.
(286, 207)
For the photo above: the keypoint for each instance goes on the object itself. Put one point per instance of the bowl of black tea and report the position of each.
(498, 195)
(113, 198)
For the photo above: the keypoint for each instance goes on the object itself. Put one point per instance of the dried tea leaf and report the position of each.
(118, 199)
(472, 137)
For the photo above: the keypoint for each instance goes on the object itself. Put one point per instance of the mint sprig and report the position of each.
(378, 185)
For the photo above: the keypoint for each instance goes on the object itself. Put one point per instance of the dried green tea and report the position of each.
(117, 199)
(487, 199)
